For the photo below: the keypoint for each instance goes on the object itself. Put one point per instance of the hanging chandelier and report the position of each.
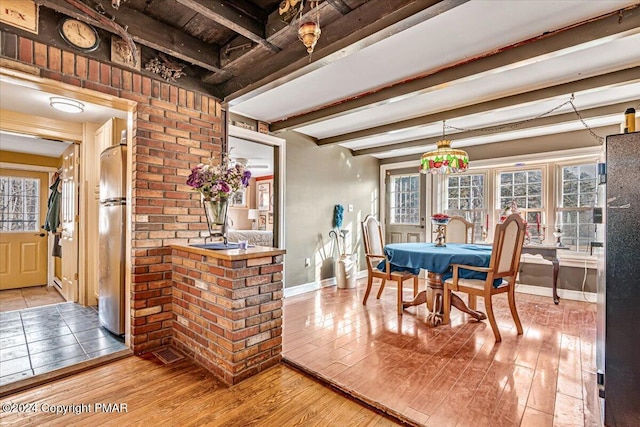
(309, 30)
(444, 160)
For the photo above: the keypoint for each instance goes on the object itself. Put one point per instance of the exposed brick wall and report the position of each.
(173, 129)
(228, 314)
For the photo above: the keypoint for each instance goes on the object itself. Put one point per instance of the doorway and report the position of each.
(54, 333)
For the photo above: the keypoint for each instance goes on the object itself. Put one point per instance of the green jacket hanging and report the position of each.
(52, 221)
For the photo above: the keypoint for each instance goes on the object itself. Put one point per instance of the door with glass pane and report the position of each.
(405, 206)
(23, 244)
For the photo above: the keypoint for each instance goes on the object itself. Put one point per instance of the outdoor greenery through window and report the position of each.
(19, 204)
(466, 197)
(405, 199)
(524, 187)
(575, 210)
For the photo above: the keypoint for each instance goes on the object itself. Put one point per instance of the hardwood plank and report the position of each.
(569, 369)
(453, 374)
(186, 394)
(568, 412)
(535, 418)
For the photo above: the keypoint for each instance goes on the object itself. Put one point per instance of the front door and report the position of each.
(405, 206)
(69, 222)
(23, 244)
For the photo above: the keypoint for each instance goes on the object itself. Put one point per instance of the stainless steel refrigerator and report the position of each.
(618, 283)
(112, 222)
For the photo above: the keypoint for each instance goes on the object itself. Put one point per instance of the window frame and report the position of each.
(559, 209)
(444, 203)
(392, 192)
(23, 213)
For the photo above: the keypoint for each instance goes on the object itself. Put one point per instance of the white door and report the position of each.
(69, 222)
(406, 206)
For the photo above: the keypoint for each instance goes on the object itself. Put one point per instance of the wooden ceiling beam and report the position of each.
(617, 77)
(611, 25)
(340, 6)
(373, 21)
(226, 16)
(150, 33)
(539, 122)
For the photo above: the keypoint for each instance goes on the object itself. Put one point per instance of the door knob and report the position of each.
(40, 234)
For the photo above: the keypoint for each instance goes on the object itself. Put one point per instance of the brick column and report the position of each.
(228, 312)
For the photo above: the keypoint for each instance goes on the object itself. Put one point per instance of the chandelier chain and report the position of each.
(516, 125)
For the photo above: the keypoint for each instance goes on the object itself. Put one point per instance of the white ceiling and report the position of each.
(22, 98)
(461, 34)
(31, 145)
(259, 156)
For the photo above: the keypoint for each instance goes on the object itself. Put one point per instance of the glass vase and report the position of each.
(215, 211)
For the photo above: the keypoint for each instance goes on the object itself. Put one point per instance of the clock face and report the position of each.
(79, 35)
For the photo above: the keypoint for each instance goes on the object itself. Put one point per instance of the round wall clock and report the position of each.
(79, 35)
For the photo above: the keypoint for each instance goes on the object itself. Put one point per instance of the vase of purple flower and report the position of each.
(216, 183)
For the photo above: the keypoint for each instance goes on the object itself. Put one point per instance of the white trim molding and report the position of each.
(314, 286)
(567, 294)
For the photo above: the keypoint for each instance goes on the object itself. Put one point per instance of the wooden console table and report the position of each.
(550, 253)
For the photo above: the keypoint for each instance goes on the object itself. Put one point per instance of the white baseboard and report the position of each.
(562, 293)
(314, 286)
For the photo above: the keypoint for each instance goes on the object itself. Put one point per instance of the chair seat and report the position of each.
(402, 274)
(473, 283)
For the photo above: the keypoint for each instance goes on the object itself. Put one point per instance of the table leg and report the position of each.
(436, 311)
(434, 297)
(556, 267)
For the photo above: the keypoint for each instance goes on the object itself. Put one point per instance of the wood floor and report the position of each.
(183, 394)
(35, 296)
(453, 375)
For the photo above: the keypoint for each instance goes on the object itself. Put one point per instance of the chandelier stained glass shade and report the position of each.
(444, 160)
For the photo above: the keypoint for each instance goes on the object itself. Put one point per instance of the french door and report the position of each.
(406, 206)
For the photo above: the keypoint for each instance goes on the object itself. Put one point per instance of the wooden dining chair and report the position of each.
(373, 250)
(459, 230)
(504, 264)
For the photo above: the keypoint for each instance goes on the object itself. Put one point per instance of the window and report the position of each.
(524, 187)
(19, 204)
(404, 205)
(578, 194)
(466, 197)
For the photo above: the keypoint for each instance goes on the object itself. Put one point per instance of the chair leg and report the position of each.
(473, 299)
(415, 286)
(492, 319)
(384, 281)
(447, 305)
(400, 297)
(366, 293)
(514, 311)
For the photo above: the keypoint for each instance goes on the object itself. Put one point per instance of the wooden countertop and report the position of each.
(232, 254)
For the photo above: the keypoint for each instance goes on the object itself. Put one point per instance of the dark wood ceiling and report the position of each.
(230, 46)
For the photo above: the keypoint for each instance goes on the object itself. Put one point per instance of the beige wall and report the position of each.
(317, 179)
(29, 159)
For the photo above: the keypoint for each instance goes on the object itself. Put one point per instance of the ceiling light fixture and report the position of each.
(444, 159)
(66, 105)
(309, 30)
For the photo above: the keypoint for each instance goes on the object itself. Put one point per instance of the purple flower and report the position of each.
(246, 176)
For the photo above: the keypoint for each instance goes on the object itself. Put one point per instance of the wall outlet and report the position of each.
(307, 262)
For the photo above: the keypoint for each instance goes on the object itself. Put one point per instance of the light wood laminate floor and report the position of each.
(183, 394)
(452, 375)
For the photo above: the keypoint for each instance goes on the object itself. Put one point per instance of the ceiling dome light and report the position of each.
(66, 105)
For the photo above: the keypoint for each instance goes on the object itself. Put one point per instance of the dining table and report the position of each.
(437, 261)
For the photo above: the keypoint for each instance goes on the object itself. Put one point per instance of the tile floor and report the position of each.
(451, 375)
(38, 340)
(33, 296)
